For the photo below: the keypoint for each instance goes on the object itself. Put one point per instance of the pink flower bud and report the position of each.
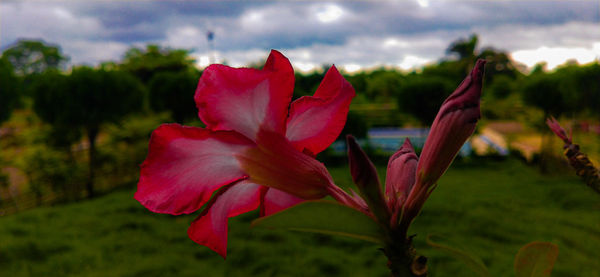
(365, 177)
(558, 130)
(400, 177)
(454, 123)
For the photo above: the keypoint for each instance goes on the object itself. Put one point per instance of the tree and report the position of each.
(383, 85)
(174, 92)
(144, 64)
(307, 84)
(544, 92)
(85, 100)
(501, 87)
(498, 63)
(356, 125)
(423, 96)
(464, 48)
(582, 83)
(34, 56)
(8, 89)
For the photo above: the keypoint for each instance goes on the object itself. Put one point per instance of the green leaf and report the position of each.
(473, 262)
(536, 259)
(325, 217)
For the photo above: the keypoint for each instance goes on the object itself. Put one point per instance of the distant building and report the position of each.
(389, 140)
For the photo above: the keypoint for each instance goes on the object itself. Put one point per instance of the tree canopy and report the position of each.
(422, 97)
(144, 63)
(174, 92)
(84, 100)
(34, 56)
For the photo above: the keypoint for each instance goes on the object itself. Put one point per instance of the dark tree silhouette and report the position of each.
(144, 64)
(85, 100)
(174, 92)
(422, 97)
(8, 89)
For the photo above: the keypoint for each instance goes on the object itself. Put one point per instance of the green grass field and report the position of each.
(488, 208)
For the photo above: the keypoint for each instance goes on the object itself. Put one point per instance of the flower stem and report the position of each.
(403, 260)
(583, 166)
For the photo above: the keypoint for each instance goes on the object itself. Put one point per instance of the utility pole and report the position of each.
(210, 37)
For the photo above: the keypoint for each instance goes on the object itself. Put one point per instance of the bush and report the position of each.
(51, 170)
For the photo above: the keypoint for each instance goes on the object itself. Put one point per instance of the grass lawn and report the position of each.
(490, 208)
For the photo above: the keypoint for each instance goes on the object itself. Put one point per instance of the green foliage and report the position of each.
(544, 91)
(307, 84)
(588, 84)
(473, 262)
(383, 85)
(499, 64)
(423, 96)
(500, 88)
(480, 206)
(34, 56)
(46, 169)
(325, 217)
(174, 92)
(144, 63)
(86, 98)
(8, 89)
(582, 85)
(356, 125)
(358, 82)
(99, 96)
(127, 146)
(449, 70)
(464, 48)
(536, 259)
(49, 89)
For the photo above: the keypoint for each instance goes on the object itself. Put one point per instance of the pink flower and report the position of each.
(257, 150)
(559, 131)
(411, 180)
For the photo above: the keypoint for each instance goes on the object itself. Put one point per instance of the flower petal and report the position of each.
(246, 99)
(401, 172)
(275, 200)
(316, 121)
(210, 228)
(276, 163)
(185, 165)
(559, 130)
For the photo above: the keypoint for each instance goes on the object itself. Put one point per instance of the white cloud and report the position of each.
(328, 13)
(555, 56)
(423, 3)
(513, 37)
(553, 44)
(50, 21)
(186, 37)
(353, 35)
(91, 53)
(404, 52)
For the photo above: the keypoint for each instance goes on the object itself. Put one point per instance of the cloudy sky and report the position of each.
(351, 34)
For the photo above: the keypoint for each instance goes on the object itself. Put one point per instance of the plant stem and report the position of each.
(403, 260)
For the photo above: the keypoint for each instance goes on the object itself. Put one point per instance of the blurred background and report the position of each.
(84, 83)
